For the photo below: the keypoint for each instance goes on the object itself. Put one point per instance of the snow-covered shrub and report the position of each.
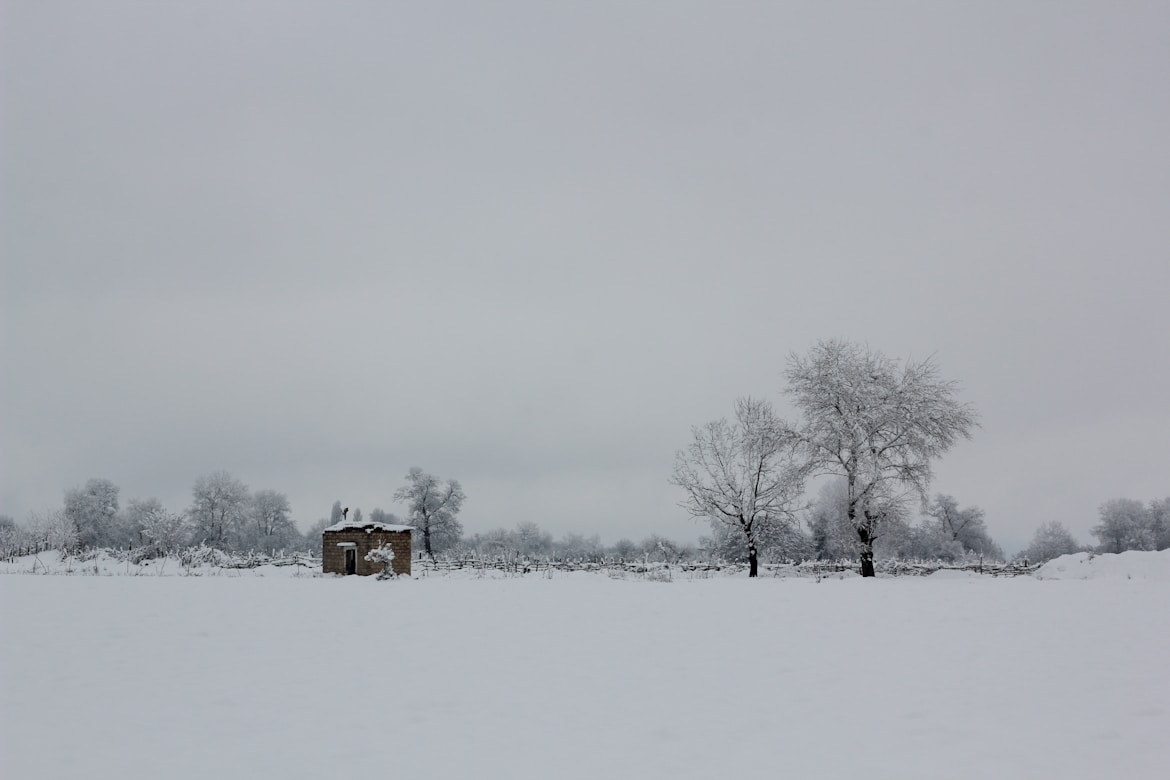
(203, 555)
(659, 573)
(384, 555)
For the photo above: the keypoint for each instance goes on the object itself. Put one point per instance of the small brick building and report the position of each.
(344, 546)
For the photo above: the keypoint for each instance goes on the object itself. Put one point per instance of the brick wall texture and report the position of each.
(364, 540)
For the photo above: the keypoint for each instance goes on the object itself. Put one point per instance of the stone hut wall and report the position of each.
(364, 540)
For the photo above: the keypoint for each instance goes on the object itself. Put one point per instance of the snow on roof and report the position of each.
(367, 526)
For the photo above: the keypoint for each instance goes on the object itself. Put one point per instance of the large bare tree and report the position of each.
(876, 422)
(741, 475)
(432, 506)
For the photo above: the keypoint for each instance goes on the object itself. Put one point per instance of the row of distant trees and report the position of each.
(224, 513)
(946, 532)
(1127, 524)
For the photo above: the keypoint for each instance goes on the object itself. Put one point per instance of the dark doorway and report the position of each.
(351, 561)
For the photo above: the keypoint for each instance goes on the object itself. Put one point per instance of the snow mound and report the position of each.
(1132, 565)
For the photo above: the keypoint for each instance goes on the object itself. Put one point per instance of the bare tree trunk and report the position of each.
(866, 552)
(753, 554)
(863, 533)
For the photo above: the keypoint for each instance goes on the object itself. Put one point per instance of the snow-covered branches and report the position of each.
(93, 511)
(875, 422)
(52, 529)
(1127, 524)
(1051, 540)
(432, 506)
(741, 474)
(384, 555)
(164, 531)
(219, 509)
(270, 526)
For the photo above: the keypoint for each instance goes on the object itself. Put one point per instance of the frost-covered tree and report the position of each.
(379, 516)
(578, 547)
(741, 475)
(311, 541)
(531, 540)
(878, 424)
(1051, 540)
(659, 548)
(335, 515)
(12, 536)
(270, 526)
(907, 541)
(498, 542)
(788, 542)
(165, 532)
(1160, 523)
(948, 532)
(53, 530)
(1125, 524)
(93, 510)
(777, 544)
(526, 539)
(832, 535)
(432, 507)
(624, 549)
(966, 526)
(219, 510)
(952, 520)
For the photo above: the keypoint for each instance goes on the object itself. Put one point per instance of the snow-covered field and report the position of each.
(581, 676)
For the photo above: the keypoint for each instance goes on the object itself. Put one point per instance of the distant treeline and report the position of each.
(225, 515)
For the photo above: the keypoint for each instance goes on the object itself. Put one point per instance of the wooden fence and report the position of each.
(519, 566)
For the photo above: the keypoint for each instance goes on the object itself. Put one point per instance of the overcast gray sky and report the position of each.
(528, 245)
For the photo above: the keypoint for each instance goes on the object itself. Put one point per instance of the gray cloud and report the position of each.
(529, 247)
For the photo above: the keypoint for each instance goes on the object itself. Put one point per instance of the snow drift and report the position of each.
(1130, 565)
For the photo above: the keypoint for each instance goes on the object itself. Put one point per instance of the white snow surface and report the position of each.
(1129, 565)
(582, 676)
(955, 574)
